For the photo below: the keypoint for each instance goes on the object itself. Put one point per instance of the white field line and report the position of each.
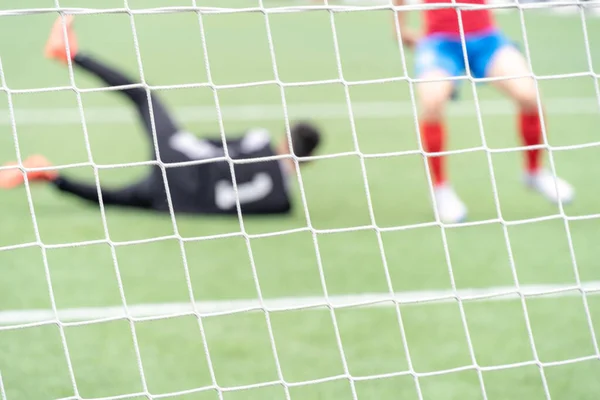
(270, 112)
(12, 317)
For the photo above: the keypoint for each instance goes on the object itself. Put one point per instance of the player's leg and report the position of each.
(128, 196)
(165, 125)
(133, 196)
(56, 49)
(436, 60)
(506, 60)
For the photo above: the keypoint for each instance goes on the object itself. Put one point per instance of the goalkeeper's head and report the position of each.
(305, 140)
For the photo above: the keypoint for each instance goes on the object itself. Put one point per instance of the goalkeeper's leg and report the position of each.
(137, 195)
(128, 196)
(165, 126)
(508, 61)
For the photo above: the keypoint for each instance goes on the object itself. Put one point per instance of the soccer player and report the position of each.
(205, 188)
(439, 55)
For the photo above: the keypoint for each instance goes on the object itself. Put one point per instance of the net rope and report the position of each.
(262, 304)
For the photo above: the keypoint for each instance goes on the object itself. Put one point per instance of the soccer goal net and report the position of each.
(363, 290)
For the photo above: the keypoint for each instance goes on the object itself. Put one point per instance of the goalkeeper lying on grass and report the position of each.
(200, 188)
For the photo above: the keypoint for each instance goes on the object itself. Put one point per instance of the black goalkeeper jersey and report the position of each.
(206, 187)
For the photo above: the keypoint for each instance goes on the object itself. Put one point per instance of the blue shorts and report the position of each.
(441, 51)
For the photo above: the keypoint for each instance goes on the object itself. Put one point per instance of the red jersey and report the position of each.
(446, 20)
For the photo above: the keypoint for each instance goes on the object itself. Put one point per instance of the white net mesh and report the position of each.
(201, 310)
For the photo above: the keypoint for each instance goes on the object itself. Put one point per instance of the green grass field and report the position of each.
(440, 361)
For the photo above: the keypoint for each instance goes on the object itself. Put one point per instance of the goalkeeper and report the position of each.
(201, 188)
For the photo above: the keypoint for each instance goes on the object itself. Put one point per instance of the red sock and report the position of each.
(530, 126)
(434, 136)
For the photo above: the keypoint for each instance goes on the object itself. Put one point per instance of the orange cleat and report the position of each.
(13, 177)
(56, 47)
